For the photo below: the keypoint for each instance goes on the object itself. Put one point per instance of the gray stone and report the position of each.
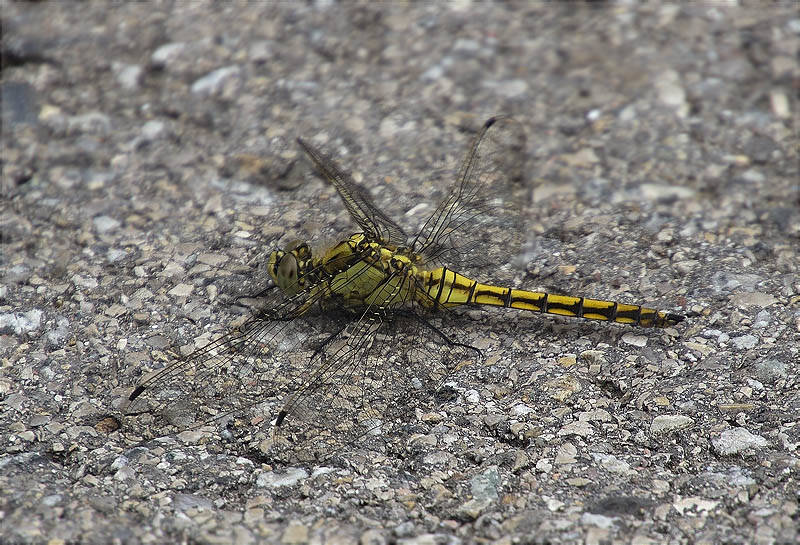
(666, 423)
(273, 479)
(736, 440)
(18, 323)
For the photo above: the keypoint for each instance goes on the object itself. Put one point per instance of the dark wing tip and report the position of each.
(495, 118)
(136, 393)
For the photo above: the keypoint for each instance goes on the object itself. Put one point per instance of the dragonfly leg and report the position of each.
(440, 333)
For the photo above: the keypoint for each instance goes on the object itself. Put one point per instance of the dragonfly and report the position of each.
(348, 339)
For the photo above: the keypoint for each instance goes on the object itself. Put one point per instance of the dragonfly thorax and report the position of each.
(363, 272)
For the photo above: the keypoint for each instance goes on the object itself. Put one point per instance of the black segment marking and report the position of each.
(486, 293)
(527, 301)
(632, 314)
(569, 308)
(450, 289)
(471, 296)
(441, 287)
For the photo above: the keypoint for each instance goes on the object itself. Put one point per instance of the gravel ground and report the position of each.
(149, 167)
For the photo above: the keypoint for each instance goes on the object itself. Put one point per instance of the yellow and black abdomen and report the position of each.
(449, 289)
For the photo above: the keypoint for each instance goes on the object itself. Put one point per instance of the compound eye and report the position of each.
(286, 275)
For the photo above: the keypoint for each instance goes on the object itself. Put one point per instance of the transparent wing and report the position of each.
(223, 377)
(305, 387)
(365, 384)
(235, 371)
(375, 224)
(483, 207)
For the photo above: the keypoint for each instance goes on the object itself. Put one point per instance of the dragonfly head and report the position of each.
(288, 267)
